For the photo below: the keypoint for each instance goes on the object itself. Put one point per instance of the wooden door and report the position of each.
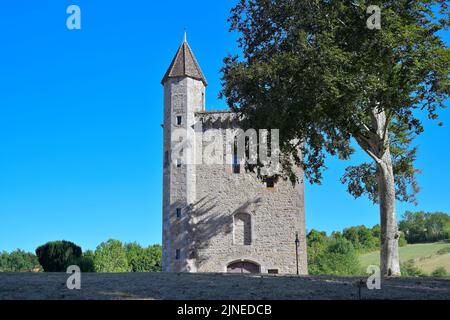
(243, 267)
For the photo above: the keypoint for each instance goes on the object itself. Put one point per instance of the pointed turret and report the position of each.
(184, 64)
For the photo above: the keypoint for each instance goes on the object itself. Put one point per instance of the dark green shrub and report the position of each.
(58, 255)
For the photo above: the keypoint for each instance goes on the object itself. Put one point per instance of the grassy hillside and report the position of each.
(424, 255)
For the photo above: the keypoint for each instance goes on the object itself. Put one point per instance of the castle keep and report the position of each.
(216, 216)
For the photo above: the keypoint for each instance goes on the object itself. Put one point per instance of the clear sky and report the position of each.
(80, 116)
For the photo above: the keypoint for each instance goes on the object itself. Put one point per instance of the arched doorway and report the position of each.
(243, 267)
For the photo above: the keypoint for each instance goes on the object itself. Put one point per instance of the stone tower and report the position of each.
(219, 217)
(184, 95)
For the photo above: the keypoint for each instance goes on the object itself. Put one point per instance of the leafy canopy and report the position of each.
(315, 71)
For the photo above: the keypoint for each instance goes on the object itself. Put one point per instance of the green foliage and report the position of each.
(421, 227)
(409, 269)
(440, 273)
(362, 238)
(87, 263)
(58, 255)
(402, 242)
(144, 259)
(18, 261)
(314, 71)
(111, 256)
(155, 254)
(333, 255)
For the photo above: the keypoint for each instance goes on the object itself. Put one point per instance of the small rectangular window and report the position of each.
(178, 213)
(166, 159)
(177, 254)
(179, 120)
(179, 163)
(270, 183)
(272, 271)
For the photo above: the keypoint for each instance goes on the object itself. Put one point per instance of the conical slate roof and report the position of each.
(185, 65)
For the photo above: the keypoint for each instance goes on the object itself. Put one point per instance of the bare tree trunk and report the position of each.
(390, 264)
(375, 141)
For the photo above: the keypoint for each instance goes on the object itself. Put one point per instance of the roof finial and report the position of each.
(185, 35)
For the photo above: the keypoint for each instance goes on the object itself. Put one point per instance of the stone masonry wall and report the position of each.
(276, 215)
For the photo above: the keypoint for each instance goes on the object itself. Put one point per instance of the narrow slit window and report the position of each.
(166, 159)
(236, 162)
(179, 120)
(178, 213)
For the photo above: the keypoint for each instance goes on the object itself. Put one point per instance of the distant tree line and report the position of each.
(422, 227)
(109, 256)
(18, 261)
(336, 254)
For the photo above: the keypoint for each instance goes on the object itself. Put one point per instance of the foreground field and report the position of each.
(424, 255)
(160, 286)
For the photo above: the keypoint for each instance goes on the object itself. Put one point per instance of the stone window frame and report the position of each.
(252, 229)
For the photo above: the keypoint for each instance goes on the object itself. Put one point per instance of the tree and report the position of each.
(58, 255)
(313, 70)
(18, 261)
(317, 243)
(437, 226)
(111, 256)
(362, 238)
(87, 261)
(155, 254)
(420, 227)
(331, 256)
(143, 259)
(4, 261)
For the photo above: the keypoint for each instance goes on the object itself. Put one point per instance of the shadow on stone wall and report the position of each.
(204, 227)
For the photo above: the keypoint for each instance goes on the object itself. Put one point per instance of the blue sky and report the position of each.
(80, 115)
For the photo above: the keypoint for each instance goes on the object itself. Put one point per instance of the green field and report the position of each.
(424, 255)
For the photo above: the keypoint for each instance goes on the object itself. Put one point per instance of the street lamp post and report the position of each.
(297, 242)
